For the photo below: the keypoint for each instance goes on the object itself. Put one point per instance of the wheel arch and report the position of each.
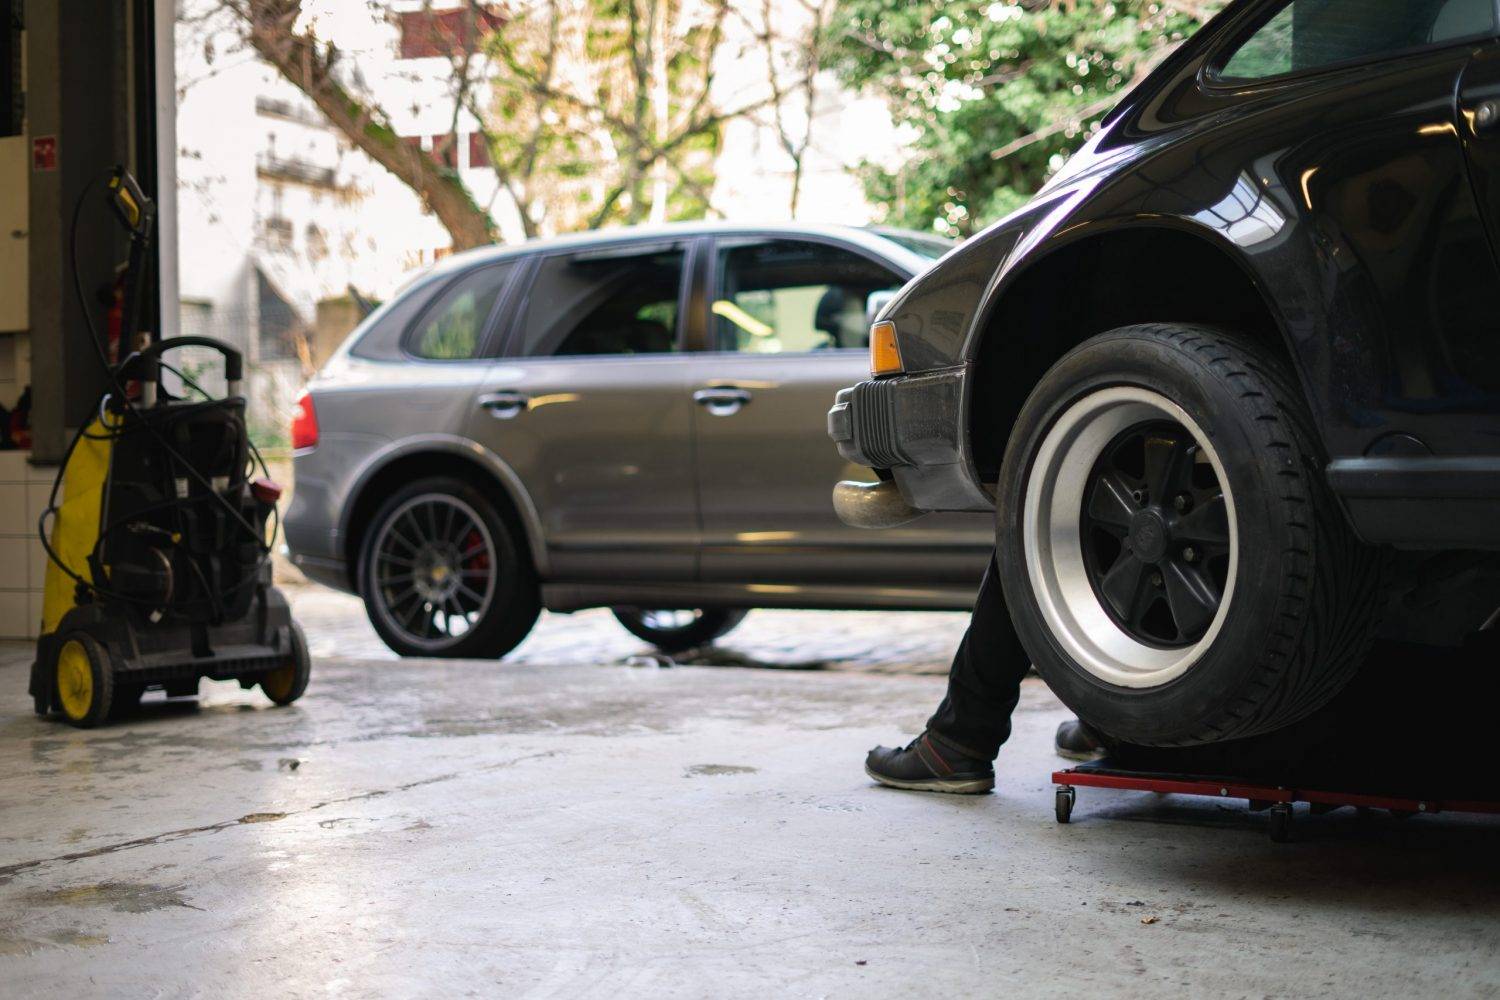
(437, 455)
(1213, 285)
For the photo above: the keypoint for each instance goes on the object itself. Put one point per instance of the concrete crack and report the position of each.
(7, 872)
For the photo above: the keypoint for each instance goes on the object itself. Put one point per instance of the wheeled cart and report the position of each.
(1275, 800)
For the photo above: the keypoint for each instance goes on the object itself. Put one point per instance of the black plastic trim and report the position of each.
(1416, 478)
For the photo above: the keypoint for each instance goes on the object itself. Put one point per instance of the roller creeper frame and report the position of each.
(1276, 801)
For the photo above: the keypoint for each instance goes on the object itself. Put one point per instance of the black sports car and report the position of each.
(1231, 381)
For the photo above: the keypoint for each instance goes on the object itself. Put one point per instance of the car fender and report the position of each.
(459, 447)
(1303, 272)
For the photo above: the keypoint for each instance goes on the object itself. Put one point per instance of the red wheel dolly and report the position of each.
(1275, 800)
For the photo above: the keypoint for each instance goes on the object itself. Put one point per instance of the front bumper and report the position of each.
(915, 427)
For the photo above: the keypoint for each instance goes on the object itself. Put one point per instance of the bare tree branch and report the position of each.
(271, 28)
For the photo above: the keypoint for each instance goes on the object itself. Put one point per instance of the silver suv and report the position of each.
(632, 419)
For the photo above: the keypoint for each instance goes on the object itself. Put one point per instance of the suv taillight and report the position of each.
(304, 422)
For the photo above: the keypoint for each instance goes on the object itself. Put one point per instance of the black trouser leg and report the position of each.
(984, 682)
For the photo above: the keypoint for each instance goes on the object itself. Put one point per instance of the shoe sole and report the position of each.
(1082, 756)
(948, 786)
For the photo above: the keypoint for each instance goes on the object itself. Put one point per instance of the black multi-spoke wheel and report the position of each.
(444, 573)
(435, 570)
(1156, 538)
(677, 629)
(1172, 559)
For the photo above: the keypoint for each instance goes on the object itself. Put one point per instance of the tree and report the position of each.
(994, 95)
(590, 111)
(792, 39)
(273, 29)
(601, 110)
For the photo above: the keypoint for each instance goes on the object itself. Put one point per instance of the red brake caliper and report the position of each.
(479, 561)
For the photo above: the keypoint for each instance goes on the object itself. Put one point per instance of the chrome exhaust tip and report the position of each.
(872, 505)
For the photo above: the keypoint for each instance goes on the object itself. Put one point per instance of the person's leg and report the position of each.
(984, 682)
(1076, 741)
(956, 752)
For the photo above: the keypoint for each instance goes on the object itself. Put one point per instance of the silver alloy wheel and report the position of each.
(435, 569)
(1066, 587)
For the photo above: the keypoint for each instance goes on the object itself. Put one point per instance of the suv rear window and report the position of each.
(453, 327)
(1311, 34)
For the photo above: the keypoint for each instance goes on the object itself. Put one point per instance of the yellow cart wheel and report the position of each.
(85, 680)
(285, 685)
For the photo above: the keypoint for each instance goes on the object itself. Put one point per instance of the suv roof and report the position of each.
(882, 238)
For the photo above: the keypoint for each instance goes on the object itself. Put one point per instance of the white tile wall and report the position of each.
(23, 563)
(15, 366)
(15, 563)
(15, 615)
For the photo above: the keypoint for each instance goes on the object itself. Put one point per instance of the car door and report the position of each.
(787, 330)
(1368, 89)
(589, 405)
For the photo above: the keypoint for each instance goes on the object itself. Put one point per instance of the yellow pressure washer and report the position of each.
(159, 569)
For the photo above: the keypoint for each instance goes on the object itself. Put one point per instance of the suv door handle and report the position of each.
(722, 400)
(504, 405)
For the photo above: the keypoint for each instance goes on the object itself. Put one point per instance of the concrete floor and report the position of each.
(570, 829)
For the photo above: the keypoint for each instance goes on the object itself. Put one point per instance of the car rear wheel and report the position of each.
(445, 573)
(1170, 553)
(679, 629)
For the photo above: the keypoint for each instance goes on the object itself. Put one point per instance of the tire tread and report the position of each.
(1333, 583)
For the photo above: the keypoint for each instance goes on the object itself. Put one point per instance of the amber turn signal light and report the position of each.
(885, 355)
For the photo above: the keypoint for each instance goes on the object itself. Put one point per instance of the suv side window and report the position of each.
(453, 326)
(785, 296)
(604, 302)
(1310, 34)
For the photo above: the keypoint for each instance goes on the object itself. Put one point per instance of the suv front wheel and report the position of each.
(679, 630)
(1172, 558)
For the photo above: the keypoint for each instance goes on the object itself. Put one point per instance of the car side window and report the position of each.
(783, 296)
(604, 302)
(1310, 34)
(453, 327)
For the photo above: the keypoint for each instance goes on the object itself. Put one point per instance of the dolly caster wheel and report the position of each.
(1281, 822)
(1066, 796)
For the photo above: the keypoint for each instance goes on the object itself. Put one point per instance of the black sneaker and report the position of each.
(1076, 741)
(925, 766)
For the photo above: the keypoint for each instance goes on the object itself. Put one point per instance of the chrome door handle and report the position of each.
(722, 400)
(504, 405)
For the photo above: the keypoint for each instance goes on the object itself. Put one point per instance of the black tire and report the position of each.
(1290, 624)
(84, 679)
(289, 683)
(706, 625)
(512, 598)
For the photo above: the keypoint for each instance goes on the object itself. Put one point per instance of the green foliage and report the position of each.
(970, 77)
